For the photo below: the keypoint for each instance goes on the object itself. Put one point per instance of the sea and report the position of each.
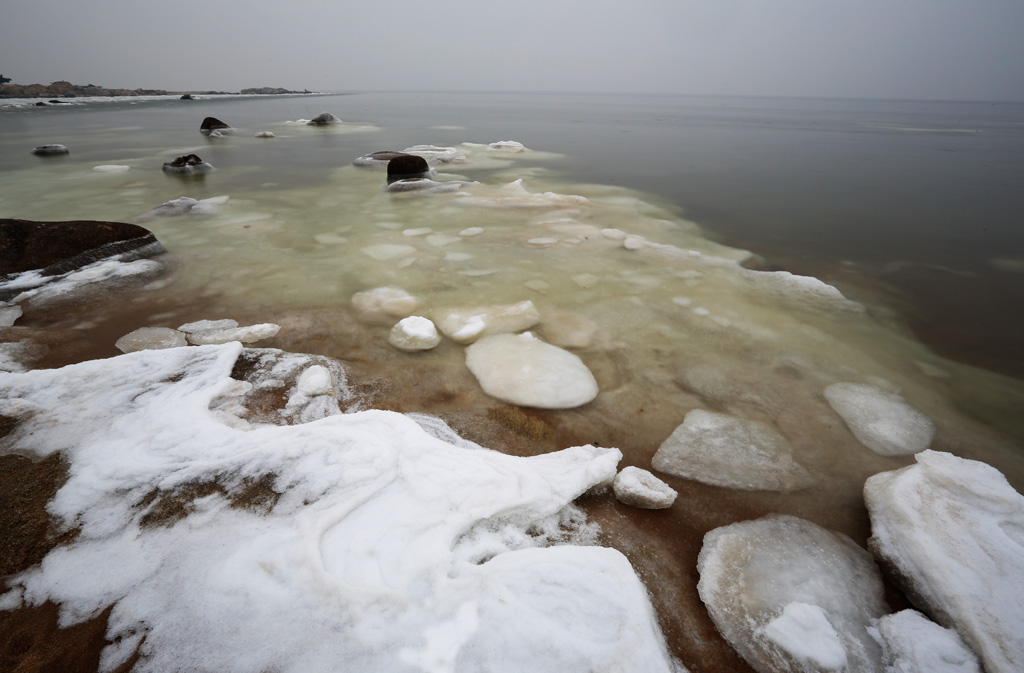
(732, 254)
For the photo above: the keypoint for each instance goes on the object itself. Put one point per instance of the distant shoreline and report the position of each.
(63, 89)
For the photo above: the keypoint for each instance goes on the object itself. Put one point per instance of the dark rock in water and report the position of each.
(40, 104)
(407, 166)
(378, 159)
(61, 247)
(323, 120)
(58, 102)
(212, 124)
(50, 150)
(188, 96)
(187, 164)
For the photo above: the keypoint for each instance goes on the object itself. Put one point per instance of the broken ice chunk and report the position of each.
(733, 452)
(639, 488)
(521, 369)
(881, 421)
(151, 338)
(467, 324)
(953, 532)
(911, 642)
(789, 595)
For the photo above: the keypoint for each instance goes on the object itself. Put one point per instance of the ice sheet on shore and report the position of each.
(789, 595)
(952, 532)
(353, 565)
(729, 451)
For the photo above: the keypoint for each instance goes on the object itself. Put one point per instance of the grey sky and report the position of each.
(946, 49)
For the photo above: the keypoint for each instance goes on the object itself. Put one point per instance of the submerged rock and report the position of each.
(952, 533)
(881, 421)
(323, 119)
(50, 150)
(789, 595)
(56, 248)
(521, 369)
(186, 164)
(733, 452)
(211, 124)
(639, 488)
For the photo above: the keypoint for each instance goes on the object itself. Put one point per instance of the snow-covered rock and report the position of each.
(912, 643)
(789, 595)
(728, 451)
(467, 324)
(880, 420)
(414, 333)
(151, 338)
(522, 369)
(952, 531)
(639, 488)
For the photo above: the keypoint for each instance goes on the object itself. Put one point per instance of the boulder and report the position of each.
(407, 166)
(639, 488)
(211, 124)
(50, 150)
(187, 164)
(56, 248)
(323, 119)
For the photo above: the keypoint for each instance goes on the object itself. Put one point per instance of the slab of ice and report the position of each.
(211, 332)
(353, 564)
(436, 155)
(733, 452)
(789, 595)
(467, 324)
(151, 338)
(805, 288)
(880, 420)
(522, 369)
(952, 531)
(385, 251)
(414, 333)
(508, 146)
(639, 488)
(111, 168)
(912, 643)
(9, 314)
(515, 195)
(384, 304)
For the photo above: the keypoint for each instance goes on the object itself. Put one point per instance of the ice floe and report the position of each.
(952, 531)
(880, 420)
(912, 643)
(730, 451)
(355, 557)
(414, 333)
(467, 324)
(522, 369)
(151, 338)
(209, 332)
(639, 488)
(789, 595)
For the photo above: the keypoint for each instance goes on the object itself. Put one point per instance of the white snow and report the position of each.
(414, 333)
(467, 324)
(954, 530)
(804, 633)
(639, 488)
(150, 338)
(730, 451)
(751, 575)
(522, 369)
(358, 566)
(880, 420)
(315, 380)
(912, 643)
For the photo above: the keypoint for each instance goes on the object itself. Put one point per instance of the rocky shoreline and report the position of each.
(64, 89)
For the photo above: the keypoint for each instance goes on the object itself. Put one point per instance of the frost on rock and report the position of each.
(352, 565)
(639, 488)
(912, 643)
(467, 324)
(789, 595)
(733, 452)
(952, 532)
(212, 332)
(880, 420)
(150, 338)
(384, 304)
(522, 369)
(414, 333)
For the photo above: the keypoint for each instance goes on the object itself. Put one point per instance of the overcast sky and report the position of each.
(939, 49)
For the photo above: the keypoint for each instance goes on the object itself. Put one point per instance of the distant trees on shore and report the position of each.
(4, 80)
